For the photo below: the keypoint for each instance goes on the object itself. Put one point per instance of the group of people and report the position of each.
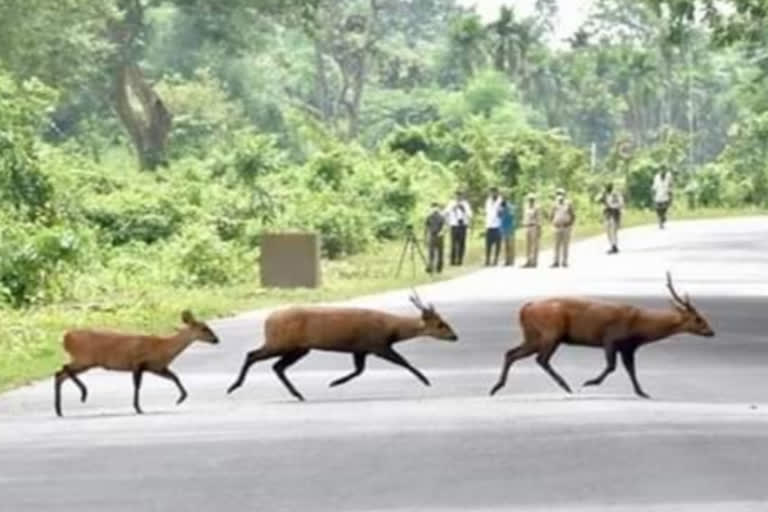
(501, 224)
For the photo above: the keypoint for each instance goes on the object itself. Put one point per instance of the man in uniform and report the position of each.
(562, 218)
(459, 215)
(532, 225)
(662, 194)
(612, 206)
(433, 233)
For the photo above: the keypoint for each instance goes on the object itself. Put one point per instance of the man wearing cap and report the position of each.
(562, 218)
(458, 215)
(532, 225)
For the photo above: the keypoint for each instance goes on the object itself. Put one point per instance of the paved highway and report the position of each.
(384, 442)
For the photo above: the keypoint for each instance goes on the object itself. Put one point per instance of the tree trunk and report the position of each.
(148, 128)
(361, 72)
(325, 103)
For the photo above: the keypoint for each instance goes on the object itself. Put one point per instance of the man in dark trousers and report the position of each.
(458, 215)
(492, 227)
(433, 234)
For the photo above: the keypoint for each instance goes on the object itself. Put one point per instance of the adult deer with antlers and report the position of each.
(616, 328)
(292, 333)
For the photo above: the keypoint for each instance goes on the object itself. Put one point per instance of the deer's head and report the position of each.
(693, 321)
(434, 325)
(198, 330)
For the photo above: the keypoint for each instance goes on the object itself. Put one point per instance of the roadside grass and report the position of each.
(30, 339)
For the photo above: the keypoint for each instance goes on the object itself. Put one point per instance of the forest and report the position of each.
(146, 144)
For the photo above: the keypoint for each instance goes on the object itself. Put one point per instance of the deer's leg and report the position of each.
(359, 359)
(510, 357)
(610, 359)
(628, 358)
(283, 363)
(68, 371)
(166, 373)
(543, 359)
(389, 354)
(137, 375)
(251, 357)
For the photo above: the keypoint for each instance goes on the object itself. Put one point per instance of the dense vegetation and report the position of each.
(151, 142)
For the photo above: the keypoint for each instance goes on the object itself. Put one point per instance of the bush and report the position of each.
(22, 183)
(35, 262)
(205, 260)
(135, 215)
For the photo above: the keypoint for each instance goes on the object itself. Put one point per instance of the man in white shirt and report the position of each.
(662, 194)
(492, 226)
(459, 216)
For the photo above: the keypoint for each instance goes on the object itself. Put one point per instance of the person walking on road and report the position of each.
(532, 225)
(562, 218)
(492, 227)
(662, 194)
(459, 216)
(433, 234)
(612, 206)
(508, 227)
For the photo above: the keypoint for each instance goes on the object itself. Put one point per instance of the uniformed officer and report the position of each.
(612, 206)
(532, 225)
(562, 218)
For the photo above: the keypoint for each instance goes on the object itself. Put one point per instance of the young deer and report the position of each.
(613, 327)
(133, 353)
(291, 333)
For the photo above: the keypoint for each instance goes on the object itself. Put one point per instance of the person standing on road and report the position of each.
(562, 218)
(492, 227)
(508, 227)
(612, 206)
(433, 234)
(532, 225)
(662, 194)
(459, 216)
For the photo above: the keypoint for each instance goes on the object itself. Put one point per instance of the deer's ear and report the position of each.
(187, 317)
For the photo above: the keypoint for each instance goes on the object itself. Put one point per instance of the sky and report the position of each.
(572, 13)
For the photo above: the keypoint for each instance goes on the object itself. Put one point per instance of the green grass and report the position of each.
(30, 345)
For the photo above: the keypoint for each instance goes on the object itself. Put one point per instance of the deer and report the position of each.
(135, 353)
(616, 328)
(292, 333)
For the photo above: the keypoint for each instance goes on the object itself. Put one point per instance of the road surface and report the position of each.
(384, 442)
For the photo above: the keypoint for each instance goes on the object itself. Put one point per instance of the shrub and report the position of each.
(35, 261)
(135, 215)
(205, 260)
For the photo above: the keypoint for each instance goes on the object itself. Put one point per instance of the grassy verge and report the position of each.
(30, 339)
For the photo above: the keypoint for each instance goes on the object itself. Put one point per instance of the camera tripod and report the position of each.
(411, 245)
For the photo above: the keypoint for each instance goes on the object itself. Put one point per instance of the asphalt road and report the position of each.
(384, 442)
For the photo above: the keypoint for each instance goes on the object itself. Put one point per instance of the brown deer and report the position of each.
(133, 353)
(613, 327)
(291, 333)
